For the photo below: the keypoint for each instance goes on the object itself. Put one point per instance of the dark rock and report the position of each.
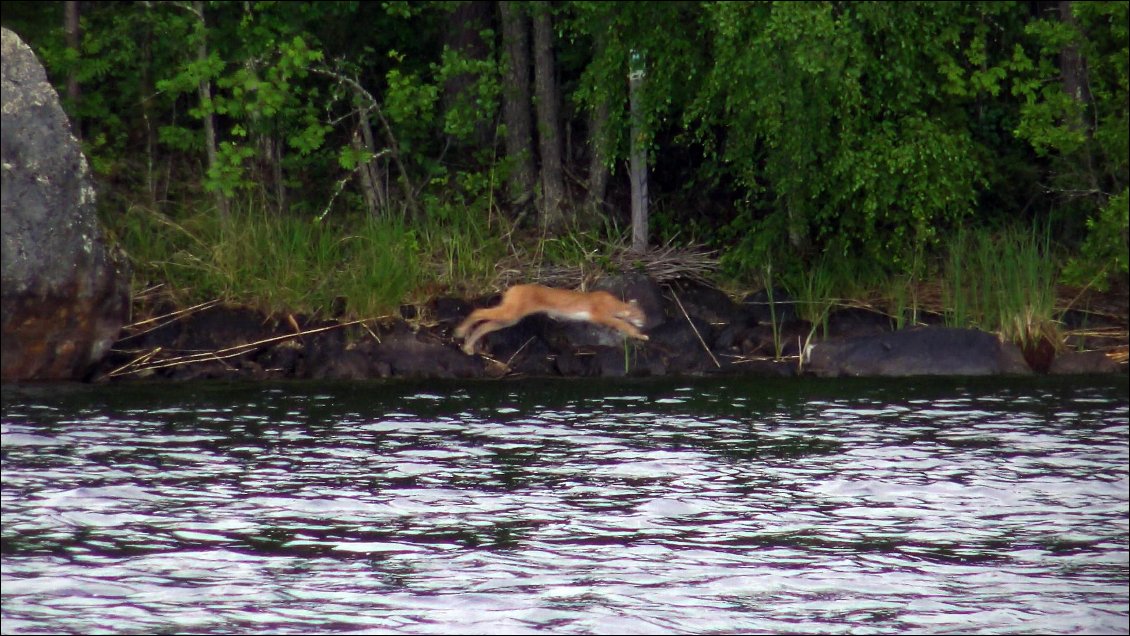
(204, 370)
(505, 343)
(631, 358)
(781, 310)
(65, 296)
(223, 327)
(681, 347)
(1082, 362)
(1082, 319)
(449, 311)
(322, 355)
(249, 345)
(568, 363)
(854, 322)
(541, 346)
(408, 356)
(617, 362)
(351, 364)
(730, 337)
(568, 334)
(702, 302)
(640, 288)
(532, 357)
(762, 340)
(646, 362)
(765, 368)
(921, 351)
(281, 360)
(609, 362)
(926, 318)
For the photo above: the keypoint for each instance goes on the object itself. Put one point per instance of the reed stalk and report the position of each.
(1003, 282)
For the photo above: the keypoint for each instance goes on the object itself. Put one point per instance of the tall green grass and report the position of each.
(1002, 282)
(460, 247)
(813, 292)
(381, 268)
(273, 262)
(299, 264)
(774, 322)
(902, 299)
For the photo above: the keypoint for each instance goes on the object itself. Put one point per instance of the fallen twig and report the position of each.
(695, 329)
(524, 345)
(222, 354)
(168, 318)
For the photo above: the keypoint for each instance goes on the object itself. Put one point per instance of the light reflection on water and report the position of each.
(564, 507)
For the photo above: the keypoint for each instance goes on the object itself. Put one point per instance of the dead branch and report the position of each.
(220, 354)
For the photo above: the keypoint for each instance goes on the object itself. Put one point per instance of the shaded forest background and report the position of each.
(306, 156)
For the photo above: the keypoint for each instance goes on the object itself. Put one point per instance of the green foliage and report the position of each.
(1085, 138)
(833, 119)
(820, 137)
(673, 63)
(480, 102)
(120, 47)
(1104, 252)
(260, 91)
(410, 101)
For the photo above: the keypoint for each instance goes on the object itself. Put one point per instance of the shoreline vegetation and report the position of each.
(1005, 282)
(956, 164)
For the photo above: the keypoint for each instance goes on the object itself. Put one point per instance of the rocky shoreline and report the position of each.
(693, 329)
(65, 299)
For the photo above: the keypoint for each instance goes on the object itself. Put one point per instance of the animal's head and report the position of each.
(633, 313)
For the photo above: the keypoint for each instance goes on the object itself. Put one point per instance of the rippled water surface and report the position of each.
(942, 506)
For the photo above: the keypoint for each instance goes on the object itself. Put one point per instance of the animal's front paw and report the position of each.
(643, 337)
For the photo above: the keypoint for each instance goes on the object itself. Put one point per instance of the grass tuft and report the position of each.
(1002, 282)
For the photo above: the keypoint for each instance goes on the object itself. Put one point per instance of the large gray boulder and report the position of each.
(64, 297)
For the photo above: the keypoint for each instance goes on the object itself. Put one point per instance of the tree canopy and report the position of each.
(776, 132)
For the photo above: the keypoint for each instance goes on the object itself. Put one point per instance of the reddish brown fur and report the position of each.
(519, 301)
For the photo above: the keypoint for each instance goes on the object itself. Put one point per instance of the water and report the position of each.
(561, 507)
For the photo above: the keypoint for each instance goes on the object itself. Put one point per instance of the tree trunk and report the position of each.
(598, 151)
(463, 35)
(273, 145)
(1072, 65)
(205, 90)
(147, 91)
(372, 177)
(549, 125)
(269, 147)
(516, 102)
(638, 159)
(74, 41)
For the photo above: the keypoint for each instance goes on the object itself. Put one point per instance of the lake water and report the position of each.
(568, 507)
